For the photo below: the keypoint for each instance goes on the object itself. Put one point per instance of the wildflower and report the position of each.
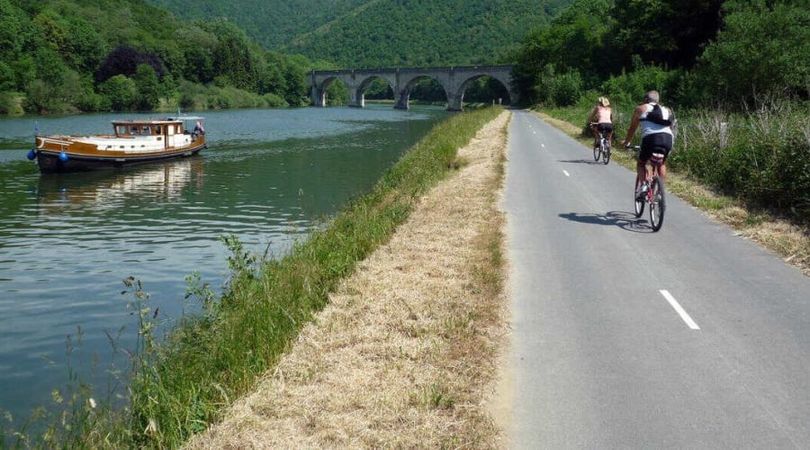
(92, 402)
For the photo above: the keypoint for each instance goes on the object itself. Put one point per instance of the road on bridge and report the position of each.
(691, 337)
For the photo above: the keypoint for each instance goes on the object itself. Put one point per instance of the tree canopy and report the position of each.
(58, 56)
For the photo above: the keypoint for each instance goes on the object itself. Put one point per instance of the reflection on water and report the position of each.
(159, 182)
(67, 240)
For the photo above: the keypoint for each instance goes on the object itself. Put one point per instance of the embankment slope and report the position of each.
(405, 352)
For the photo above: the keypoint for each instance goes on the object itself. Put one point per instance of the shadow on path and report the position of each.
(622, 219)
(580, 161)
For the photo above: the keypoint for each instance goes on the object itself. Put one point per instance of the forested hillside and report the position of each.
(272, 23)
(383, 32)
(62, 56)
(427, 32)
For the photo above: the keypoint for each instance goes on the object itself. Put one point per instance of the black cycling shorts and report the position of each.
(655, 143)
(604, 127)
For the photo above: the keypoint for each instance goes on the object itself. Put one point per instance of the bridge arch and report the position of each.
(409, 82)
(462, 90)
(360, 94)
(454, 81)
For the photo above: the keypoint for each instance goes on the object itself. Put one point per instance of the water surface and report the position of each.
(67, 240)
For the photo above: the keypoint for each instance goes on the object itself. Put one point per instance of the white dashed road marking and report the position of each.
(679, 309)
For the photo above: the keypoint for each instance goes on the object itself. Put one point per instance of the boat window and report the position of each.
(157, 130)
(121, 130)
(145, 130)
(134, 130)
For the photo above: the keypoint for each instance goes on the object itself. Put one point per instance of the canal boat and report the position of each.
(133, 142)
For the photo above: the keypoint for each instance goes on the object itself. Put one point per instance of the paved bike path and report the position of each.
(600, 356)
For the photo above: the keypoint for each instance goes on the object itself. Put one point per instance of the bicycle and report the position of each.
(603, 150)
(651, 191)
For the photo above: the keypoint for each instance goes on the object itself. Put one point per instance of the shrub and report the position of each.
(762, 156)
(763, 48)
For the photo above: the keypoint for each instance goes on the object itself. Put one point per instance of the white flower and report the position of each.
(92, 403)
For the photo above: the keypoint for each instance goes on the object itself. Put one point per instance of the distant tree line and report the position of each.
(696, 51)
(63, 56)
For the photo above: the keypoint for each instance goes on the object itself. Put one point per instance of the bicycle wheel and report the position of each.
(658, 204)
(605, 152)
(597, 151)
(639, 203)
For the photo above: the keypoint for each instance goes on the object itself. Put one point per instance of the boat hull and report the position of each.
(49, 161)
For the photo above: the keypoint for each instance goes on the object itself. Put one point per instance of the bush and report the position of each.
(565, 89)
(120, 91)
(11, 103)
(558, 89)
(629, 87)
(762, 156)
(761, 50)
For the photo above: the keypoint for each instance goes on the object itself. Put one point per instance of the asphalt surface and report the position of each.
(600, 357)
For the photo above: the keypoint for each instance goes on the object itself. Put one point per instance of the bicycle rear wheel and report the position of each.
(605, 152)
(597, 151)
(639, 203)
(658, 204)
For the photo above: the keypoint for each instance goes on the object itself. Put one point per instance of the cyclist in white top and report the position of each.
(656, 132)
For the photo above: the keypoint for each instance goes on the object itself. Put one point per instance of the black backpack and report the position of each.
(657, 116)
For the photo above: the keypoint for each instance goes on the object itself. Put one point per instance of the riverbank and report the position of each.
(180, 387)
(404, 355)
(786, 238)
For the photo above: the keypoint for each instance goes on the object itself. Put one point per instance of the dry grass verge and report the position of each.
(788, 240)
(405, 351)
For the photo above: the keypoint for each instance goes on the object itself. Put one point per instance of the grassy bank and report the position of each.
(750, 171)
(181, 386)
(403, 355)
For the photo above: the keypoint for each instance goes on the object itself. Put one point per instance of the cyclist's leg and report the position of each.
(607, 128)
(647, 145)
(595, 133)
(662, 144)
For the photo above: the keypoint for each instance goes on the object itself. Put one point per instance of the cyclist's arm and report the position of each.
(592, 117)
(631, 131)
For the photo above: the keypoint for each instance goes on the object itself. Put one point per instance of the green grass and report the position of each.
(184, 384)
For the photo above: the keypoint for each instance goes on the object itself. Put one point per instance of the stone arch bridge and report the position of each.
(454, 80)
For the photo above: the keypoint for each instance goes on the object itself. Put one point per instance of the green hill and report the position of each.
(63, 56)
(272, 23)
(427, 32)
(383, 32)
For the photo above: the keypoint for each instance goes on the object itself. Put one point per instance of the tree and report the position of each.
(120, 91)
(762, 49)
(668, 32)
(148, 87)
(124, 60)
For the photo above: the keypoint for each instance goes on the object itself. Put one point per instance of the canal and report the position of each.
(67, 241)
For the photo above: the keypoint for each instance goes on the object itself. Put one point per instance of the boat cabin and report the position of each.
(133, 128)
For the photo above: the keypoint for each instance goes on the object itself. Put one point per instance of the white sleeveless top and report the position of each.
(648, 127)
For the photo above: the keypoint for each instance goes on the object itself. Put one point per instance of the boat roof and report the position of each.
(166, 121)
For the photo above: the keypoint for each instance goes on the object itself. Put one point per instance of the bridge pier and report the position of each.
(403, 100)
(318, 97)
(356, 98)
(455, 102)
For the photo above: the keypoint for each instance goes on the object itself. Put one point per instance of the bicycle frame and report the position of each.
(655, 194)
(651, 168)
